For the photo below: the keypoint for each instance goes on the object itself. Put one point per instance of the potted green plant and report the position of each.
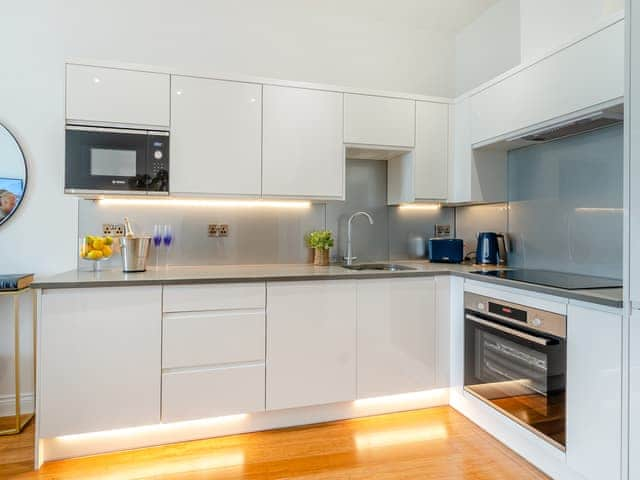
(321, 241)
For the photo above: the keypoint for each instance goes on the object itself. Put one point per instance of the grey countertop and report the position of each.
(176, 275)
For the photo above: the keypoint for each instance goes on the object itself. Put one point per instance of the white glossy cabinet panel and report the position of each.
(594, 396)
(583, 75)
(212, 392)
(208, 338)
(112, 95)
(311, 343)
(216, 137)
(191, 298)
(99, 359)
(396, 336)
(431, 154)
(302, 146)
(371, 120)
(634, 396)
(632, 138)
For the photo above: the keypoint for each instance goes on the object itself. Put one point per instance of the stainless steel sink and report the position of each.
(389, 267)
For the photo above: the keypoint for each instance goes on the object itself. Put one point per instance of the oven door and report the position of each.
(518, 371)
(106, 160)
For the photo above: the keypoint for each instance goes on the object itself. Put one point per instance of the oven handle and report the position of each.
(511, 331)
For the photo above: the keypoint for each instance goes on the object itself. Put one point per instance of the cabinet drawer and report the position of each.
(208, 338)
(212, 392)
(193, 298)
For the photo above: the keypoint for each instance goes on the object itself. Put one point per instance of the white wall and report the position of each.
(547, 24)
(489, 46)
(279, 38)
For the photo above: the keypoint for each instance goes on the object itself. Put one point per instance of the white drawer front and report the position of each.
(212, 392)
(192, 298)
(209, 338)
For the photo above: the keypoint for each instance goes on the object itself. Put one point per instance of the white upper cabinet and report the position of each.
(302, 149)
(396, 336)
(111, 95)
(580, 77)
(594, 393)
(311, 343)
(431, 155)
(216, 130)
(385, 121)
(632, 138)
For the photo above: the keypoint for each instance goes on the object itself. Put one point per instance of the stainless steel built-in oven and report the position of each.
(515, 361)
(116, 161)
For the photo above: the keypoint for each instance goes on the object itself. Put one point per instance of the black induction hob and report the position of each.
(567, 281)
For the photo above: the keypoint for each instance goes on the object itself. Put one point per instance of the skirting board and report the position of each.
(126, 439)
(8, 404)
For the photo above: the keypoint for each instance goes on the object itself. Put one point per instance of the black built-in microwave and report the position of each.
(116, 161)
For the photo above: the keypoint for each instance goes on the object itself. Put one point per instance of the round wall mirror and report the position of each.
(13, 174)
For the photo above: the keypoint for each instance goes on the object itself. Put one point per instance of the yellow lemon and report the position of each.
(108, 240)
(106, 251)
(98, 243)
(84, 251)
(95, 255)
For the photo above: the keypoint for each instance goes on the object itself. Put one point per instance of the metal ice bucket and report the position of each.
(135, 251)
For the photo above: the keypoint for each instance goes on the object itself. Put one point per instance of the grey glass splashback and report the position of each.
(264, 235)
(565, 204)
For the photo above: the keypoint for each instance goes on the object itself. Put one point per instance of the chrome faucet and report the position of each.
(349, 258)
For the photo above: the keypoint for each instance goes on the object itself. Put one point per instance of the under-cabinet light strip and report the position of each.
(192, 202)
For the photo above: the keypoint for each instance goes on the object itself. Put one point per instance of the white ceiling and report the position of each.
(443, 15)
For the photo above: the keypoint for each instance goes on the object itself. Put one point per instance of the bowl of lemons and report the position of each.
(96, 248)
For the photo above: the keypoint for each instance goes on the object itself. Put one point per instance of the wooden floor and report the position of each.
(436, 443)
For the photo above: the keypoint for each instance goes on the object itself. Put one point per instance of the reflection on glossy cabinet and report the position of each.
(431, 154)
(303, 151)
(371, 120)
(113, 95)
(594, 398)
(311, 343)
(99, 359)
(396, 336)
(216, 135)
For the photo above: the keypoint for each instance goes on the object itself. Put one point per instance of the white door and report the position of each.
(371, 120)
(431, 155)
(311, 343)
(302, 149)
(632, 137)
(113, 95)
(396, 336)
(99, 359)
(634, 397)
(216, 136)
(594, 396)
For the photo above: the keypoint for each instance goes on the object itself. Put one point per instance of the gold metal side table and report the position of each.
(20, 420)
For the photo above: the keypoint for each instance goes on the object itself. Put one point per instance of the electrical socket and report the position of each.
(212, 230)
(223, 230)
(113, 229)
(442, 230)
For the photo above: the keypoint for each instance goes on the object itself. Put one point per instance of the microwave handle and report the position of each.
(511, 331)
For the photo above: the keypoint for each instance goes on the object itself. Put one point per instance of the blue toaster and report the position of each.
(445, 250)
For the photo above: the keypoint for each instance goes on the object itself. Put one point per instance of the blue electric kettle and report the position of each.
(487, 249)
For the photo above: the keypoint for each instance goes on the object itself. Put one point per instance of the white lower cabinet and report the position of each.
(396, 336)
(99, 365)
(594, 396)
(212, 392)
(311, 343)
(634, 396)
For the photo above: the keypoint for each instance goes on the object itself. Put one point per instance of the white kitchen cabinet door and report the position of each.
(302, 147)
(431, 154)
(99, 360)
(474, 175)
(113, 95)
(371, 120)
(586, 74)
(634, 396)
(216, 137)
(594, 396)
(632, 138)
(311, 343)
(396, 336)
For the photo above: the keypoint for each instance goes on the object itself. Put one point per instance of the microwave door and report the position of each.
(104, 161)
